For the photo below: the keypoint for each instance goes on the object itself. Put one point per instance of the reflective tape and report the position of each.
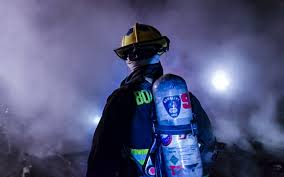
(139, 155)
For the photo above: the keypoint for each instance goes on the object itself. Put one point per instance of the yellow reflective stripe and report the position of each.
(141, 162)
(139, 151)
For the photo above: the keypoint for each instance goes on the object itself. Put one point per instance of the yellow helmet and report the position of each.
(144, 40)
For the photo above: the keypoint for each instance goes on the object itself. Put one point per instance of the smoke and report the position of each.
(265, 127)
(246, 39)
(57, 66)
(243, 37)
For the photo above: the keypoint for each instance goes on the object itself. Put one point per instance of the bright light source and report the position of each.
(96, 120)
(220, 80)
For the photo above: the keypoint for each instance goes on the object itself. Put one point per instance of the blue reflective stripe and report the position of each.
(139, 157)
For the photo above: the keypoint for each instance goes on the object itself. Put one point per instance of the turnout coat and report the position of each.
(126, 126)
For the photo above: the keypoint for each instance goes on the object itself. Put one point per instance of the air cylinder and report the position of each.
(176, 130)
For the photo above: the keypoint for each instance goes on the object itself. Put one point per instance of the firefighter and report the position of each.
(124, 134)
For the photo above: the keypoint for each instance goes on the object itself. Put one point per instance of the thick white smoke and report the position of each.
(242, 40)
(56, 61)
(265, 126)
(56, 64)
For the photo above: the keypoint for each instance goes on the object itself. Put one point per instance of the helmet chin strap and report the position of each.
(132, 65)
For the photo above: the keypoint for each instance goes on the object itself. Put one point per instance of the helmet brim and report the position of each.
(161, 45)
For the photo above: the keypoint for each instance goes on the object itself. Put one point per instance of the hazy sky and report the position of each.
(57, 64)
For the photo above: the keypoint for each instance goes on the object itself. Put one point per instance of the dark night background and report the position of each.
(57, 67)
